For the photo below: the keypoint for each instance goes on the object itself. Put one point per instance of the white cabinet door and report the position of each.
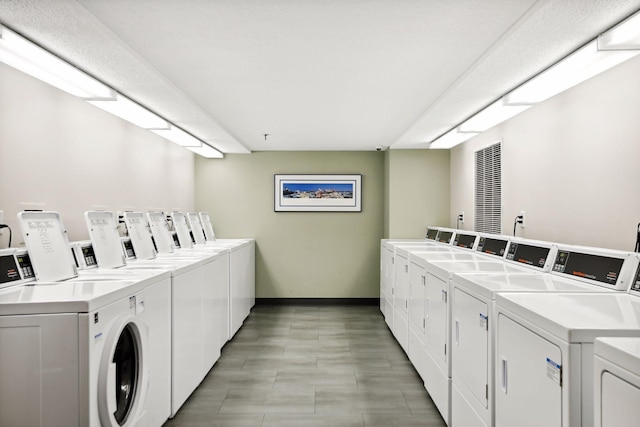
(619, 402)
(401, 296)
(469, 339)
(416, 297)
(436, 311)
(528, 378)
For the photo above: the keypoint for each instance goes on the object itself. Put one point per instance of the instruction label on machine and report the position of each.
(554, 371)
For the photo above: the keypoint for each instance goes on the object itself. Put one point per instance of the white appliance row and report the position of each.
(120, 342)
(442, 305)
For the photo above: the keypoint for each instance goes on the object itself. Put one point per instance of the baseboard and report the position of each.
(318, 301)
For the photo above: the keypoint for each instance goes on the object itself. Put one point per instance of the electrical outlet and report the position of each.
(522, 224)
(461, 216)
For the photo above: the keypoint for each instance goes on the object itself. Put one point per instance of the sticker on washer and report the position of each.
(484, 320)
(554, 371)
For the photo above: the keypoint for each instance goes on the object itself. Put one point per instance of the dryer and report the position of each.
(616, 369)
(432, 341)
(473, 325)
(545, 342)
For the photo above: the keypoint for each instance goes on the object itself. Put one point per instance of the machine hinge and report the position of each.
(561, 376)
(444, 296)
(424, 323)
(393, 260)
(406, 268)
(486, 324)
(445, 349)
(406, 304)
(486, 391)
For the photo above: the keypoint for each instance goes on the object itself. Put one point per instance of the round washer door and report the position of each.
(123, 376)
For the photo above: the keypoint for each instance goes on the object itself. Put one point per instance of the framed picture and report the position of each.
(318, 193)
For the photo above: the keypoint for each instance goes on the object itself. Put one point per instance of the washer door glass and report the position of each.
(127, 369)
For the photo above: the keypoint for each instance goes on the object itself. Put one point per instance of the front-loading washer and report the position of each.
(616, 370)
(78, 353)
(544, 346)
(51, 258)
(473, 326)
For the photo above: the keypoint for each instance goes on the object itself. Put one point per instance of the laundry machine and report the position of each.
(473, 325)
(79, 353)
(544, 346)
(616, 369)
(430, 339)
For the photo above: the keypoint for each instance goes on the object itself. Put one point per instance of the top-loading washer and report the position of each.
(616, 370)
(80, 352)
(545, 342)
(473, 325)
(434, 361)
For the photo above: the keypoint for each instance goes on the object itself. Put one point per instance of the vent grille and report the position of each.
(488, 190)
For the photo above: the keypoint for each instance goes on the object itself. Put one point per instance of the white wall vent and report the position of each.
(488, 190)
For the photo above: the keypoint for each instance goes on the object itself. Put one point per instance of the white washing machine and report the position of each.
(545, 342)
(430, 340)
(79, 353)
(616, 369)
(473, 326)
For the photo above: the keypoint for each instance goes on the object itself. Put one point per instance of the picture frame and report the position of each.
(318, 193)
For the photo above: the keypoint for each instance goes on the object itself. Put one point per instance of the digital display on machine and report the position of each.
(432, 233)
(8, 269)
(492, 246)
(24, 263)
(444, 236)
(128, 248)
(594, 267)
(527, 254)
(635, 285)
(89, 256)
(464, 240)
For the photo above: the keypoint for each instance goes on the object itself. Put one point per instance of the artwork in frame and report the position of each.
(318, 193)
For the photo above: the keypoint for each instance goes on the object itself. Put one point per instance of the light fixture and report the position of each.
(625, 35)
(492, 115)
(132, 112)
(178, 136)
(581, 65)
(20, 53)
(207, 151)
(451, 139)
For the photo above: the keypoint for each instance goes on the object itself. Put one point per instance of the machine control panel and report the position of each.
(528, 254)
(444, 236)
(25, 265)
(464, 240)
(128, 248)
(599, 268)
(176, 242)
(491, 246)
(432, 233)
(9, 272)
(89, 256)
(635, 285)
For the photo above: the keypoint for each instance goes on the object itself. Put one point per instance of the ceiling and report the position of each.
(313, 74)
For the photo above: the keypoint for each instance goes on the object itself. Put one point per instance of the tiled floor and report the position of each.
(311, 366)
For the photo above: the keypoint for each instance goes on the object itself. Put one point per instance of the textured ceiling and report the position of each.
(313, 74)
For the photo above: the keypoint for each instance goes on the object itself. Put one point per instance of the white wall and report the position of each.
(571, 163)
(58, 150)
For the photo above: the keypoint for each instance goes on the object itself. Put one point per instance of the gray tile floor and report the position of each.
(311, 366)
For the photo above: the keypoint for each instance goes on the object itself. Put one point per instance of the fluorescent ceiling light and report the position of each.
(575, 68)
(134, 113)
(207, 151)
(452, 138)
(22, 54)
(625, 35)
(492, 115)
(178, 136)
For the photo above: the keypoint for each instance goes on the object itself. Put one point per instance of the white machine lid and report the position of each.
(445, 269)
(139, 235)
(576, 317)
(160, 232)
(182, 230)
(595, 266)
(488, 285)
(46, 240)
(423, 257)
(405, 250)
(64, 297)
(196, 228)
(622, 351)
(103, 233)
(207, 227)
